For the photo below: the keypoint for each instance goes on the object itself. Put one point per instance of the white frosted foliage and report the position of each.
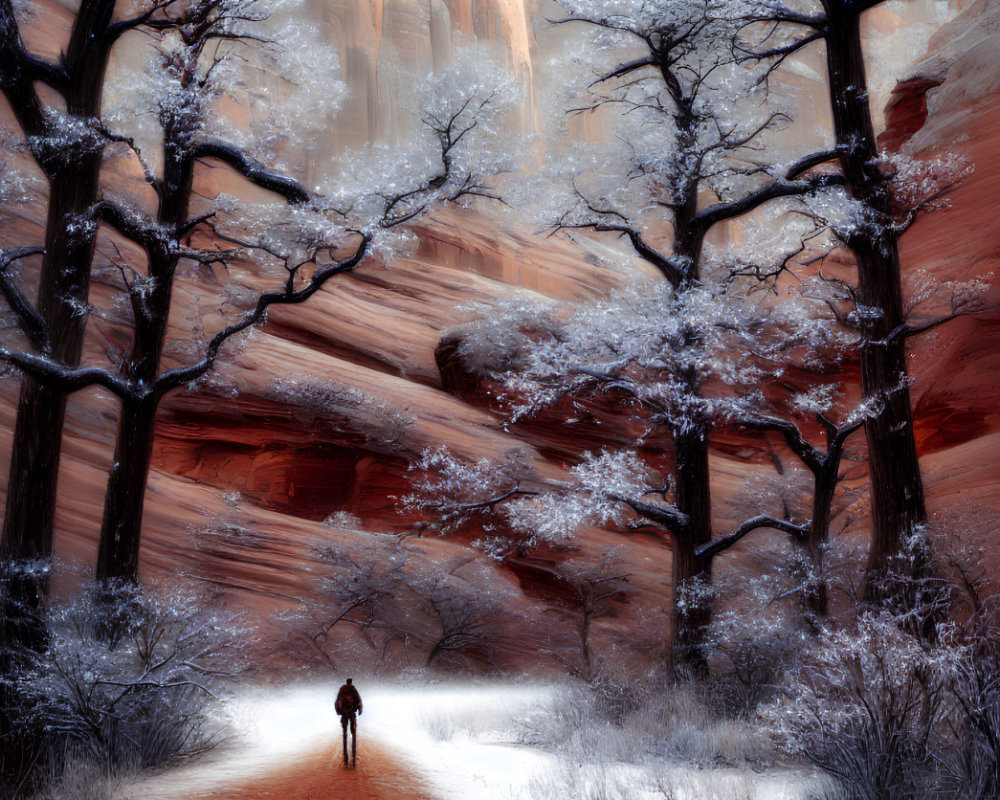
(512, 508)
(254, 75)
(656, 345)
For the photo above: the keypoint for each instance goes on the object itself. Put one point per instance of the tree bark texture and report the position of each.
(121, 527)
(64, 284)
(815, 602)
(691, 574)
(118, 552)
(896, 487)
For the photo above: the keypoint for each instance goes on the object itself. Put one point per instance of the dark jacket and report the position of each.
(348, 700)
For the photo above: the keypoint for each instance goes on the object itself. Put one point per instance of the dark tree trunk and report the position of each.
(64, 284)
(583, 631)
(27, 536)
(121, 528)
(118, 552)
(815, 602)
(896, 488)
(692, 575)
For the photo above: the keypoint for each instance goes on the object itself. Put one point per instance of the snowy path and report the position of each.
(283, 725)
(445, 742)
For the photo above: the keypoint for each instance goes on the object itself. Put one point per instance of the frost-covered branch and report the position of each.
(811, 161)
(67, 379)
(665, 516)
(452, 490)
(180, 376)
(664, 264)
(720, 212)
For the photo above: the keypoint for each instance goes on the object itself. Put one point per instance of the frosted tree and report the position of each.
(588, 593)
(823, 464)
(206, 57)
(692, 135)
(359, 590)
(879, 202)
(635, 349)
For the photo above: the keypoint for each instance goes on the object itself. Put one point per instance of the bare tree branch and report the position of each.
(720, 212)
(625, 69)
(67, 379)
(252, 170)
(756, 523)
(182, 375)
(670, 518)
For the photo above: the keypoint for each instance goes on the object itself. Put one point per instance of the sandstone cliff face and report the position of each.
(956, 393)
(321, 411)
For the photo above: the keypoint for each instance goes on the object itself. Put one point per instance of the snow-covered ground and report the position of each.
(465, 740)
(462, 738)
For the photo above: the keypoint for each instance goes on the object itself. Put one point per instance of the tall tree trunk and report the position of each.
(37, 441)
(692, 575)
(898, 508)
(63, 290)
(815, 602)
(121, 528)
(118, 552)
(64, 284)
(27, 538)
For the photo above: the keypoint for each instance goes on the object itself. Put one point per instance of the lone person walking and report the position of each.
(348, 705)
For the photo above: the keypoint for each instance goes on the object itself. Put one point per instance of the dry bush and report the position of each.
(652, 721)
(380, 605)
(79, 780)
(872, 707)
(127, 681)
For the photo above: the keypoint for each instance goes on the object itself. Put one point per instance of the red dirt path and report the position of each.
(317, 776)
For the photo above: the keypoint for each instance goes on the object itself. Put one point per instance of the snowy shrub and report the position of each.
(870, 707)
(639, 719)
(972, 770)
(128, 678)
(749, 662)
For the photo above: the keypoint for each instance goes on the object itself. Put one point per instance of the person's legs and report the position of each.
(354, 740)
(343, 723)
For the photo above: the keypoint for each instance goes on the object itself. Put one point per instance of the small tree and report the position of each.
(824, 467)
(468, 622)
(447, 609)
(357, 591)
(589, 593)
